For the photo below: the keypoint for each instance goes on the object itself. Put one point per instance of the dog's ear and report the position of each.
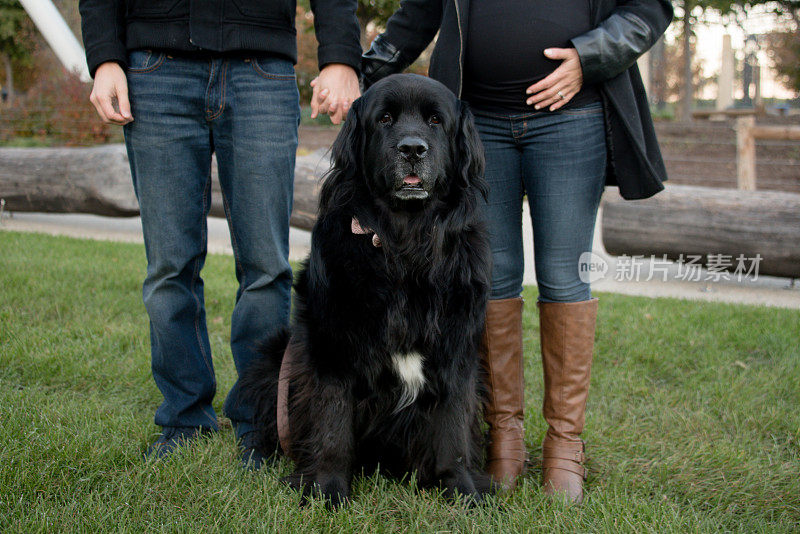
(347, 156)
(469, 152)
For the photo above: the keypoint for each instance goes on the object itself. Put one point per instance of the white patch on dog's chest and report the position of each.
(409, 369)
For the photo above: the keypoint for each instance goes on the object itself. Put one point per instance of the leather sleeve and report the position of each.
(618, 41)
(103, 29)
(409, 31)
(337, 31)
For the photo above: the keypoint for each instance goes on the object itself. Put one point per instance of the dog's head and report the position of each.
(407, 141)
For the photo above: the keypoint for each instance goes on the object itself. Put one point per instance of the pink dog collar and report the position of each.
(357, 229)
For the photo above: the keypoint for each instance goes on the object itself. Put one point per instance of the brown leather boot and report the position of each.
(505, 454)
(567, 334)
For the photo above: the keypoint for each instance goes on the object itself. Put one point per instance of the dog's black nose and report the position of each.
(412, 147)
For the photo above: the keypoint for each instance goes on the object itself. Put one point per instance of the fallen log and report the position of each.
(693, 220)
(68, 180)
(97, 180)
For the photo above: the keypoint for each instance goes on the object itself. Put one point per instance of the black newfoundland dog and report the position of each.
(381, 367)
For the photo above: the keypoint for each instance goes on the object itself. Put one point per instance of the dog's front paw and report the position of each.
(333, 489)
(461, 487)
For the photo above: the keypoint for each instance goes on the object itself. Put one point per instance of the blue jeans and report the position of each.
(558, 159)
(247, 112)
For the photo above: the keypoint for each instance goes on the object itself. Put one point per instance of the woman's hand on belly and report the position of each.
(561, 85)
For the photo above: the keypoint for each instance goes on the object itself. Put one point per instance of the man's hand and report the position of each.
(562, 84)
(110, 88)
(334, 91)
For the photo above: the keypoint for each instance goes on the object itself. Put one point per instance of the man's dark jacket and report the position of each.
(624, 30)
(112, 27)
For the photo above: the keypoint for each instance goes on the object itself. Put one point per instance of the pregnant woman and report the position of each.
(561, 110)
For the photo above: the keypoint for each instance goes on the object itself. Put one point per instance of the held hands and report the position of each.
(110, 88)
(567, 80)
(334, 91)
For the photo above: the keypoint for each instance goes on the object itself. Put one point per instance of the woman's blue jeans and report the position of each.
(558, 159)
(246, 110)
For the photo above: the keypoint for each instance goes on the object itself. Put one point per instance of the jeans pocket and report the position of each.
(142, 61)
(273, 68)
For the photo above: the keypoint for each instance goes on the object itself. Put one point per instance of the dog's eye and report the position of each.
(435, 120)
(386, 119)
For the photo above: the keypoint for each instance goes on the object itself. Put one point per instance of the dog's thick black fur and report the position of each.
(387, 338)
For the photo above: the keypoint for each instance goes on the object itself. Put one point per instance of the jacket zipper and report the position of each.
(460, 50)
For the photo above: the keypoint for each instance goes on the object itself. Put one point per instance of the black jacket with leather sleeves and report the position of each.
(624, 31)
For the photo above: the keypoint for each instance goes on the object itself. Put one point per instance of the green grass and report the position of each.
(692, 422)
(306, 120)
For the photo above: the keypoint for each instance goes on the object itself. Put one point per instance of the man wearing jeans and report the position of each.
(188, 79)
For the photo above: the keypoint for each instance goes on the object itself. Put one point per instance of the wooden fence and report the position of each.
(747, 131)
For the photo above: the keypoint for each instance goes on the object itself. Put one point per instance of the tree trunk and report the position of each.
(657, 68)
(9, 80)
(688, 81)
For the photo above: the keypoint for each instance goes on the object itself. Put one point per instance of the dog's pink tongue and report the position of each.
(411, 180)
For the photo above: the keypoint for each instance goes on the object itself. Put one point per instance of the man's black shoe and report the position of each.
(253, 456)
(173, 437)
